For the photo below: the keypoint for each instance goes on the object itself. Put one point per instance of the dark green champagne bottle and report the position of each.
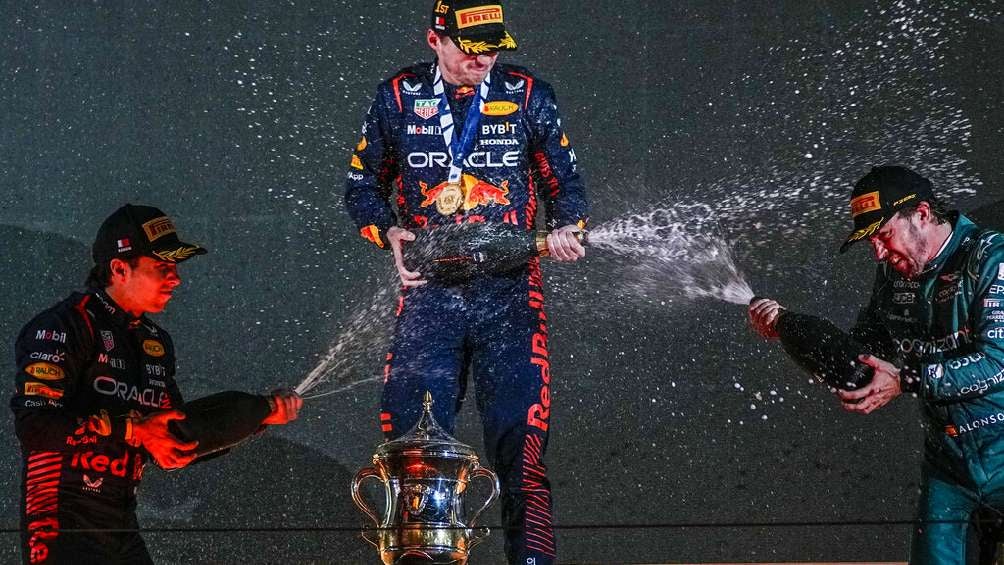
(459, 252)
(221, 421)
(823, 350)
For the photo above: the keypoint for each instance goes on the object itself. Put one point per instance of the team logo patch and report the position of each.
(108, 340)
(426, 108)
(39, 389)
(865, 203)
(95, 483)
(158, 227)
(153, 348)
(499, 108)
(515, 86)
(480, 15)
(45, 371)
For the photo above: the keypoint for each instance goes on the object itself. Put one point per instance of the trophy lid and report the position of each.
(426, 435)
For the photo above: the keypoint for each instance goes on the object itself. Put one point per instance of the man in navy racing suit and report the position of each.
(95, 392)
(935, 327)
(467, 139)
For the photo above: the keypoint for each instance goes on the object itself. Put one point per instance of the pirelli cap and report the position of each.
(475, 27)
(880, 194)
(133, 231)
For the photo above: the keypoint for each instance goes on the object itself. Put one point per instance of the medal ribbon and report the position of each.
(460, 147)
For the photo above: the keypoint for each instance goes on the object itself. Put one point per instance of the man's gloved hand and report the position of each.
(152, 434)
(397, 236)
(563, 244)
(285, 407)
(763, 314)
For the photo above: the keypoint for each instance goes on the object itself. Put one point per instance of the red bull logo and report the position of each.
(476, 192)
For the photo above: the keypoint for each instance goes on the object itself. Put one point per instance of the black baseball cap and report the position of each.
(133, 231)
(476, 27)
(881, 193)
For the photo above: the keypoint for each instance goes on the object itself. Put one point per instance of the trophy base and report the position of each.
(419, 557)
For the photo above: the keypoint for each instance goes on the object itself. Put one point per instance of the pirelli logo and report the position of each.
(865, 203)
(481, 15)
(158, 227)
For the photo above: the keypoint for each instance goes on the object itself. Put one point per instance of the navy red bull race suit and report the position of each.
(945, 328)
(493, 325)
(82, 367)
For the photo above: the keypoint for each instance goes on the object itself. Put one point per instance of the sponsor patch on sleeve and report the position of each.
(45, 371)
(39, 389)
(153, 348)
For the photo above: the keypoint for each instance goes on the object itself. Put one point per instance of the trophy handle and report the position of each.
(357, 497)
(488, 474)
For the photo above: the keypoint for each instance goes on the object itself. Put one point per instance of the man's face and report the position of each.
(900, 244)
(147, 287)
(458, 67)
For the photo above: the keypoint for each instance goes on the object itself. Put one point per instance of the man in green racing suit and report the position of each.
(934, 327)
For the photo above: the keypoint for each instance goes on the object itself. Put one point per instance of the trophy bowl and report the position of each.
(425, 474)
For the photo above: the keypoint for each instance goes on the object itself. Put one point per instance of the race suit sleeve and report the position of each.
(371, 172)
(52, 354)
(979, 369)
(555, 168)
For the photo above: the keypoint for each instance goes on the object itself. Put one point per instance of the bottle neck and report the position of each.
(540, 239)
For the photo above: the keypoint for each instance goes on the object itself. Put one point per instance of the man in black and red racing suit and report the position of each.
(494, 325)
(95, 391)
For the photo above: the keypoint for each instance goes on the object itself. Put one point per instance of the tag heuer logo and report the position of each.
(426, 108)
(413, 88)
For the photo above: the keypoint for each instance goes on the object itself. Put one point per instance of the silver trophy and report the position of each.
(424, 474)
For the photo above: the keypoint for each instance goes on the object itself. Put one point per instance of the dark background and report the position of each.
(238, 119)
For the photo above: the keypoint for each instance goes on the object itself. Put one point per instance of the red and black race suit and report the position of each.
(82, 367)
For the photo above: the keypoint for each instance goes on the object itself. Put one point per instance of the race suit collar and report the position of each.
(110, 309)
(428, 73)
(962, 231)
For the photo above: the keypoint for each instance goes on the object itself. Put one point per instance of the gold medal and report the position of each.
(449, 199)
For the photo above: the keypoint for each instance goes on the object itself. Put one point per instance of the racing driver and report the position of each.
(935, 327)
(95, 392)
(468, 139)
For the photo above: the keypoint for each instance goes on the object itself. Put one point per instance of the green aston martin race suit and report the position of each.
(945, 328)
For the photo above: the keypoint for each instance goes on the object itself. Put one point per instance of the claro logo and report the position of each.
(146, 397)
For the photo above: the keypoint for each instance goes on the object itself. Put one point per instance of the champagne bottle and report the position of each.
(823, 350)
(459, 252)
(220, 421)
